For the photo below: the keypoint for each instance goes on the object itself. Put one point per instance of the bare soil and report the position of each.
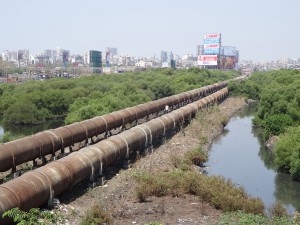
(118, 194)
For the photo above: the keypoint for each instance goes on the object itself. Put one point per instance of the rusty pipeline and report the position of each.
(49, 142)
(38, 186)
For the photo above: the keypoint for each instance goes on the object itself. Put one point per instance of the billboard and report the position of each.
(208, 60)
(228, 62)
(212, 41)
(211, 49)
(209, 36)
(212, 44)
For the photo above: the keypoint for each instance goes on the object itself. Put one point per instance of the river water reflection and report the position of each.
(25, 130)
(239, 154)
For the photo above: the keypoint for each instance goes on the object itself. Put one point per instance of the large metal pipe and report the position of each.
(36, 187)
(48, 142)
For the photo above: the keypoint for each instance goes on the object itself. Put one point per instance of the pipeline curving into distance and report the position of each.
(36, 187)
(48, 142)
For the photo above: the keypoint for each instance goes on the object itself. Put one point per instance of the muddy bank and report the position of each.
(118, 194)
(271, 142)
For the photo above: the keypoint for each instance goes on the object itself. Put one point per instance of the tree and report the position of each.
(24, 111)
(277, 124)
(287, 151)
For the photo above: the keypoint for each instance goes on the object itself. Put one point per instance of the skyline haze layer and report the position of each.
(260, 29)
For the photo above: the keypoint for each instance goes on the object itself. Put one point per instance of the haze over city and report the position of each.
(260, 29)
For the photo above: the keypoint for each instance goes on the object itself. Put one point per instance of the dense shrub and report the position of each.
(287, 151)
(247, 88)
(83, 98)
(276, 124)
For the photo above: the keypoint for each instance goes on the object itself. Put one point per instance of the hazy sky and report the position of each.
(260, 29)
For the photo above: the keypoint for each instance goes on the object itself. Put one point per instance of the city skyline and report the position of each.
(259, 29)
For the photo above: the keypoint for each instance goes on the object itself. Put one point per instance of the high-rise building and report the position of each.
(171, 56)
(172, 61)
(163, 57)
(19, 57)
(23, 57)
(109, 55)
(93, 59)
(200, 50)
(51, 55)
(10, 56)
(62, 54)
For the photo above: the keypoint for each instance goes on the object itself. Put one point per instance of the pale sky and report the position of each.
(260, 29)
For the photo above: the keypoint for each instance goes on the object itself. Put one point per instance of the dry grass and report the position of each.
(208, 123)
(97, 214)
(197, 156)
(221, 193)
(277, 210)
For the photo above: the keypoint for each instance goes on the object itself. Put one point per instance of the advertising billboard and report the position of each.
(212, 41)
(212, 44)
(208, 60)
(214, 36)
(228, 62)
(211, 49)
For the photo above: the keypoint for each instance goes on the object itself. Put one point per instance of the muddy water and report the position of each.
(239, 154)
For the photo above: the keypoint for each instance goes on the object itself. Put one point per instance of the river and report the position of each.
(25, 130)
(239, 154)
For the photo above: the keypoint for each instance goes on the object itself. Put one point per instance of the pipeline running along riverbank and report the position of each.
(49, 142)
(36, 187)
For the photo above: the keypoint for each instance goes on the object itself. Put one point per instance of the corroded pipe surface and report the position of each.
(48, 142)
(36, 187)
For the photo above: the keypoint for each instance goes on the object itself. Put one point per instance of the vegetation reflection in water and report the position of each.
(239, 154)
(16, 131)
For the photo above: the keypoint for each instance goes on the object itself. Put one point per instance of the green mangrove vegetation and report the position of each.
(82, 98)
(278, 95)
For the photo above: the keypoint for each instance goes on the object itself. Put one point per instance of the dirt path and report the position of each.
(118, 195)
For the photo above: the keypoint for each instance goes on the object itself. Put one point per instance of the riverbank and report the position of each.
(118, 197)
